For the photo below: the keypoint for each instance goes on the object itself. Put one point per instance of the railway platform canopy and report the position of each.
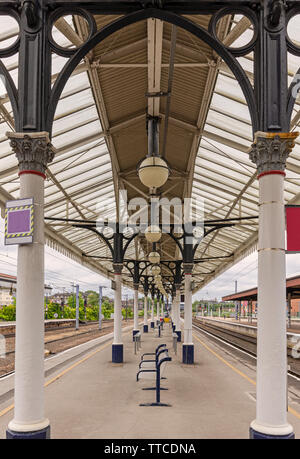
(158, 140)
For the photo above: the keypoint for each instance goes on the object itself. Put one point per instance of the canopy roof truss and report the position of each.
(150, 67)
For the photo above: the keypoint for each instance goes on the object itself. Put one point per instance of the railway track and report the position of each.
(59, 328)
(59, 342)
(242, 342)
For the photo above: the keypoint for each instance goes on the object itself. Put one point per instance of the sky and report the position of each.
(245, 273)
(61, 272)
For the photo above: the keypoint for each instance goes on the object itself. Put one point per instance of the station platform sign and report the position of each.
(19, 221)
(292, 228)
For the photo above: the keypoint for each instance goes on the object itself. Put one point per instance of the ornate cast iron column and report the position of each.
(269, 153)
(34, 151)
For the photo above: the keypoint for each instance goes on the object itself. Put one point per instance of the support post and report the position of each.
(34, 152)
(177, 314)
(100, 307)
(117, 346)
(77, 308)
(269, 152)
(135, 311)
(158, 309)
(146, 313)
(152, 312)
(188, 346)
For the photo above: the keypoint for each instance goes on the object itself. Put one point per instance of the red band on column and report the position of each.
(33, 172)
(271, 173)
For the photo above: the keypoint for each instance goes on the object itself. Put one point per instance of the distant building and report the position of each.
(59, 297)
(8, 286)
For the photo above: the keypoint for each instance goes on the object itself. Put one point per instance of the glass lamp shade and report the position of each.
(153, 233)
(157, 277)
(153, 172)
(154, 257)
(155, 270)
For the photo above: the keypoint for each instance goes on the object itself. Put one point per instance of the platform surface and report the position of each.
(215, 398)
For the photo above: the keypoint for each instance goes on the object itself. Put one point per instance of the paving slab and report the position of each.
(214, 398)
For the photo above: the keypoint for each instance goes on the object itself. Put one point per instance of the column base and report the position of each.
(43, 434)
(152, 324)
(117, 353)
(178, 335)
(188, 353)
(134, 332)
(254, 435)
(145, 328)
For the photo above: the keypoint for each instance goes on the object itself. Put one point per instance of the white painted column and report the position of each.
(157, 309)
(152, 309)
(271, 416)
(77, 308)
(271, 391)
(145, 310)
(34, 152)
(172, 310)
(29, 360)
(118, 310)
(146, 313)
(135, 310)
(188, 337)
(176, 311)
(188, 346)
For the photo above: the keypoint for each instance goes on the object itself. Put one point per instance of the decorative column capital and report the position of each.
(136, 286)
(188, 268)
(33, 150)
(118, 268)
(177, 287)
(271, 150)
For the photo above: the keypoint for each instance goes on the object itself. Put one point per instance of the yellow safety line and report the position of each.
(10, 407)
(6, 410)
(75, 365)
(243, 375)
(225, 361)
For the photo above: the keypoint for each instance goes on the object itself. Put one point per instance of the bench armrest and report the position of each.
(146, 361)
(144, 371)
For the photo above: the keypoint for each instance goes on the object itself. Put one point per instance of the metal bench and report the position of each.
(152, 363)
(153, 353)
(156, 372)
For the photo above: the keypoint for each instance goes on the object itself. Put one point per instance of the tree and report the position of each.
(92, 299)
(71, 301)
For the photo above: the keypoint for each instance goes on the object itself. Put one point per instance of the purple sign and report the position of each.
(18, 221)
